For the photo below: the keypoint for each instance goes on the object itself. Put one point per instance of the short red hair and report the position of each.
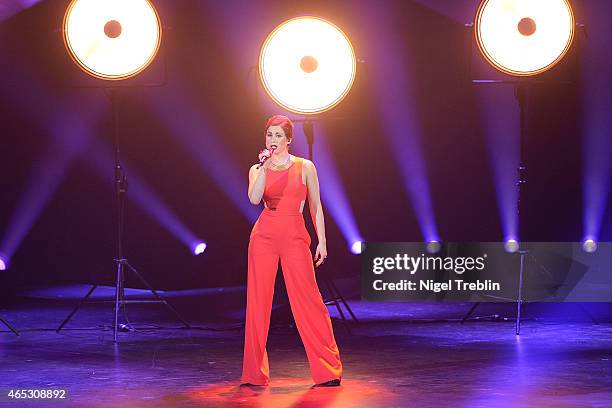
(282, 121)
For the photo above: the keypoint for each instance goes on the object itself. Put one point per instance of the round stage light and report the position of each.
(511, 246)
(307, 65)
(112, 39)
(433, 247)
(524, 37)
(199, 248)
(2, 264)
(357, 247)
(589, 246)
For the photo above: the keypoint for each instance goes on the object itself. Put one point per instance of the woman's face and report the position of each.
(275, 136)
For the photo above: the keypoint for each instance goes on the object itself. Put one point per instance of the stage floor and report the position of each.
(388, 361)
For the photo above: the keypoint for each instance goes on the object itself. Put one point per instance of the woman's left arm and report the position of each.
(316, 210)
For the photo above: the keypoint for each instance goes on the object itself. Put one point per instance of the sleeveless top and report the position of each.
(284, 190)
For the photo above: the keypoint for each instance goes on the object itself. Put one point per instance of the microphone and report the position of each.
(263, 160)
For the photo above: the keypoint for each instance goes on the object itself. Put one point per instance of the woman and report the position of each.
(283, 181)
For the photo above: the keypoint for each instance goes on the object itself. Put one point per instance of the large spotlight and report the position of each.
(112, 39)
(524, 37)
(307, 65)
(2, 264)
(589, 246)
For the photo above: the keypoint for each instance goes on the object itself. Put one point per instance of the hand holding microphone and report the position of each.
(264, 155)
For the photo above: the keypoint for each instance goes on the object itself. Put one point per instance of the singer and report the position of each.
(283, 180)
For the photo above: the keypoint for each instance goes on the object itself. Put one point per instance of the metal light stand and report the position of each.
(121, 186)
(335, 297)
(520, 93)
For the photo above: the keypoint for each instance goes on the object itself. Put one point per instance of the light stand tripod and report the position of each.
(335, 297)
(520, 90)
(121, 186)
(520, 93)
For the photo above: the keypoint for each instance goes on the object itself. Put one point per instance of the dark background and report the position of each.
(209, 48)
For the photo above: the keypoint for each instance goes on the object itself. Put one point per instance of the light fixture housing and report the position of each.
(307, 65)
(524, 37)
(112, 39)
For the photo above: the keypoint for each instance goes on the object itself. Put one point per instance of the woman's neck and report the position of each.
(280, 158)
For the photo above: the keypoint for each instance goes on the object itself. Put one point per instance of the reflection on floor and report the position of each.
(400, 354)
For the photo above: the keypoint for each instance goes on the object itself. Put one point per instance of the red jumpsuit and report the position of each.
(280, 233)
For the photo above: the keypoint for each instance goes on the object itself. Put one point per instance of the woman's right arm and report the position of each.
(257, 183)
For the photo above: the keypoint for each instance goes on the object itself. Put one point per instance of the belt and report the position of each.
(280, 212)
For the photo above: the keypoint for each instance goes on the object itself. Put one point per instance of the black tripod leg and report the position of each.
(118, 295)
(519, 301)
(337, 304)
(83, 300)
(469, 313)
(7, 324)
(332, 298)
(339, 296)
(517, 324)
(168, 305)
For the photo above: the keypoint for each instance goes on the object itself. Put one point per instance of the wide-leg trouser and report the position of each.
(283, 235)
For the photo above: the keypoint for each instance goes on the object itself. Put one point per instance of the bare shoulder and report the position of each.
(309, 166)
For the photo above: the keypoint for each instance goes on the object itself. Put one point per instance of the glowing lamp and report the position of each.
(511, 246)
(589, 246)
(199, 248)
(112, 39)
(524, 37)
(433, 247)
(307, 65)
(357, 247)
